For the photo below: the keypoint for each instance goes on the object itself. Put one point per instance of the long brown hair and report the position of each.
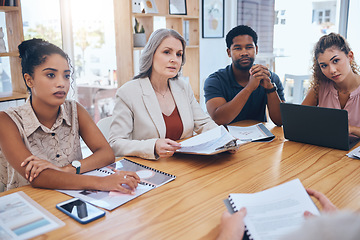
(325, 42)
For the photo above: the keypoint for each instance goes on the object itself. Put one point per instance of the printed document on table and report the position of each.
(252, 133)
(274, 212)
(23, 218)
(210, 142)
(354, 153)
(150, 178)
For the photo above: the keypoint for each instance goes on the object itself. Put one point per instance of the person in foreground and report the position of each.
(41, 141)
(157, 107)
(336, 79)
(242, 90)
(333, 224)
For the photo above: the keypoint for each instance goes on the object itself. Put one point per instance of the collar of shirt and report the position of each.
(31, 122)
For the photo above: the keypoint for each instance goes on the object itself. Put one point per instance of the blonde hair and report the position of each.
(325, 42)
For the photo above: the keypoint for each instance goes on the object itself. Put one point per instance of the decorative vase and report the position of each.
(139, 39)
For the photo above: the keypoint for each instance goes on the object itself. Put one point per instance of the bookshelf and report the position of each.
(124, 22)
(15, 35)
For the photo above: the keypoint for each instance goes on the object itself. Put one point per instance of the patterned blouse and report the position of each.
(60, 144)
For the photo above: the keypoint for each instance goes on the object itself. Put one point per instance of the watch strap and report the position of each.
(77, 165)
(270, 90)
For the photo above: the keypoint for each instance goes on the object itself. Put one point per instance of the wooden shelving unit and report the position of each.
(15, 35)
(124, 18)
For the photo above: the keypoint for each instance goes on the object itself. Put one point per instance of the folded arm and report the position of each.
(44, 174)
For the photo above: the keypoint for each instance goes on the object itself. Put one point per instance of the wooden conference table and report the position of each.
(191, 206)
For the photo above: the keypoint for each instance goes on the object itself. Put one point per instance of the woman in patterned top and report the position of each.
(40, 141)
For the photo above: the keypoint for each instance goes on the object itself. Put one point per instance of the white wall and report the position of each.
(353, 34)
(213, 54)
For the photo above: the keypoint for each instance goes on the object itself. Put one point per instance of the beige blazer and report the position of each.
(138, 121)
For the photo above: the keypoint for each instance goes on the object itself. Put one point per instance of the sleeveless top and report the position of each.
(174, 126)
(328, 97)
(60, 144)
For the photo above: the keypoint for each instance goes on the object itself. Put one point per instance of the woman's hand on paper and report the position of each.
(114, 182)
(326, 204)
(166, 147)
(34, 166)
(232, 225)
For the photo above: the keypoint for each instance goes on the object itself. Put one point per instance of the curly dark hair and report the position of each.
(325, 42)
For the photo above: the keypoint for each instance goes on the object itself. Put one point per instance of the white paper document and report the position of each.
(23, 218)
(251, 133)
(354, 153)
(274, 212)
(107, 200)
(210, 142)
(150, 179)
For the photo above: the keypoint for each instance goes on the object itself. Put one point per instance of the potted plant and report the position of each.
(139, 35)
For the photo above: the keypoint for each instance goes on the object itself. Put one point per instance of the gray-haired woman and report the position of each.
(157, 107)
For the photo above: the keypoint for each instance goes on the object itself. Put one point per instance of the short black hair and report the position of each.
(240, 30)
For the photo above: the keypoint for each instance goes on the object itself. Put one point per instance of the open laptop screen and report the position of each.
(326, 127)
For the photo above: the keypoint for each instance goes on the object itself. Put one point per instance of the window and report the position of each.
(41, 19)
(322, 16)
(280, 17)
(93, 44)
(306, 22)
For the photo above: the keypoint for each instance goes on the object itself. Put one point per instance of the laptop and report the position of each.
(320, 126)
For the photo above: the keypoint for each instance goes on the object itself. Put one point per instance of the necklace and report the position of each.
(163, 95)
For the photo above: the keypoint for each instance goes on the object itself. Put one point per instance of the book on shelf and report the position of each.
(274, 212)
(23, 218)
(150, 178)
(8, 3)
(254, 133)
(210, 142)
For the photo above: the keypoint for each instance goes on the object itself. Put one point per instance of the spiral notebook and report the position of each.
(150, 178)
(274, 212)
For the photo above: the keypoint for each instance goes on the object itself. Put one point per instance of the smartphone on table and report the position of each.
(80, 210)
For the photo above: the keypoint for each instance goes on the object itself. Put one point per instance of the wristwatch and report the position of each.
(76, 164)
(270, 90)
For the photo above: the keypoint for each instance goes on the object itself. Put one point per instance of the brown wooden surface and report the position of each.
(190, 206)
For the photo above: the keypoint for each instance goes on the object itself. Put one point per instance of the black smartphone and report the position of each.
(80, 210)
